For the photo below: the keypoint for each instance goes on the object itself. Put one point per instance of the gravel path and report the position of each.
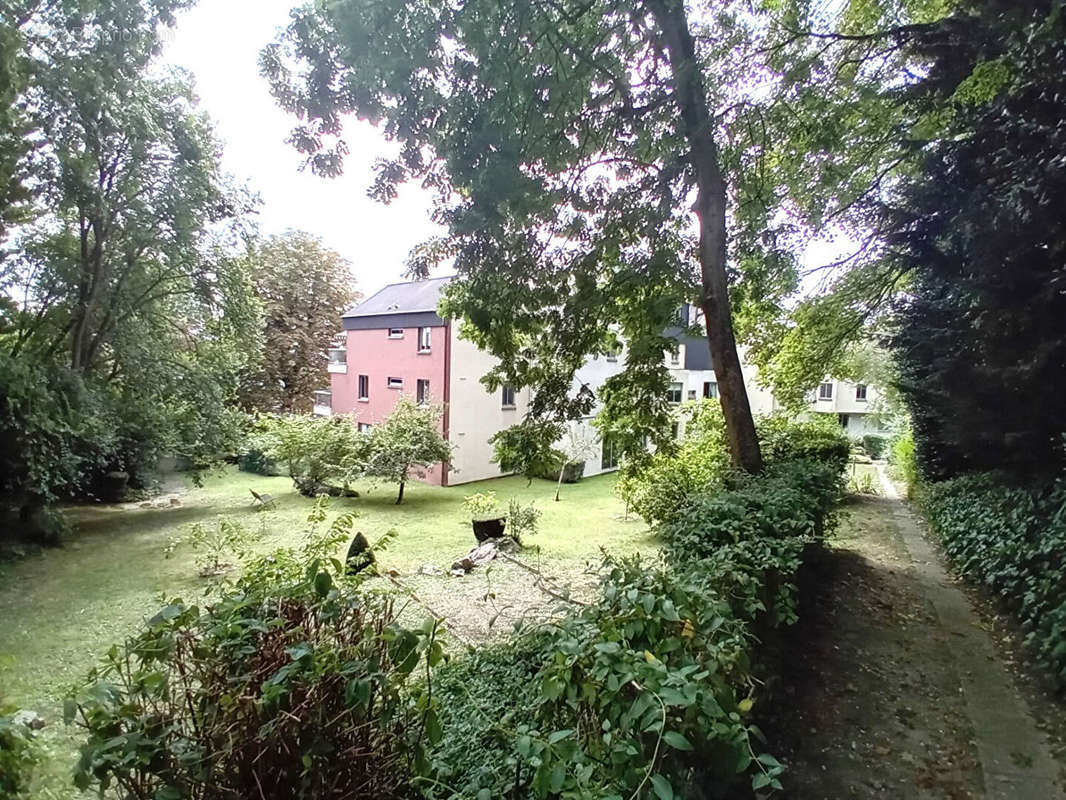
(891, 686)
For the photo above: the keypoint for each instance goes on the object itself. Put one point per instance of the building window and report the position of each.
(424, 340)
(675, 357)
(614, 352)
(825, 391)
(324, 399)
(673, 395)
(422, 391)
(395, 333)
(395, 383)
(365, 427)
(508, 396)
(691, 394)
(860, 391)
(843, 419)
(608, 454)
(364, 387)
(710, 390)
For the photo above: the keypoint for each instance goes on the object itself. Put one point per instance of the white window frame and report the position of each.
(361, 382)
(822, 395)
(508, 390)
(861, 390)
(394, 383)
(365, 427)
(425, 340)
(422, 391)
(710, 390)
(395, 333)
(676, 388)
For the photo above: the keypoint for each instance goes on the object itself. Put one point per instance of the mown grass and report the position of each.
(61, 609)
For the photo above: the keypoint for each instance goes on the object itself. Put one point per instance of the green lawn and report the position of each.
(62, 608)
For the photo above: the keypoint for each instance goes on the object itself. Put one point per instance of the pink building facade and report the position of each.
(395, 344)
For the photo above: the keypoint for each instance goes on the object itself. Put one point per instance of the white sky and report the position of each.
(219, 42)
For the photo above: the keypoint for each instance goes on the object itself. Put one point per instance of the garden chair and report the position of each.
(263, 500)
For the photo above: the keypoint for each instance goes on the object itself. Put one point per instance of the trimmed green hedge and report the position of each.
(1010, 540)
(652, 682)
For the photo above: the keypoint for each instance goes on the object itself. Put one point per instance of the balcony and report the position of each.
(323, 404)
(337, 360)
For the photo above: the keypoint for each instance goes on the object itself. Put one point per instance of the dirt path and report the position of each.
(892, 688)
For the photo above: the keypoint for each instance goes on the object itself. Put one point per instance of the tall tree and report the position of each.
(125, 308)
(304, 288)
(981, 332)
(568, 142)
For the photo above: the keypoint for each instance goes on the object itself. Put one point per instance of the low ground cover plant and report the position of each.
(1010, 540)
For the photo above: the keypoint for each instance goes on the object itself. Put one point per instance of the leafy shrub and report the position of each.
(649, 685)
(790, 499)
(522, 521)
(529, 449)
(482, 505)
(257, 462)
(314, 450)
(572, 471)
(904, 460)
(819, 439)
(1010, 540)
(293, 680)
(217, 546)
(19, 754)
(874, 445)
(655, 488)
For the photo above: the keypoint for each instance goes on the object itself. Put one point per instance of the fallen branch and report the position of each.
(541, 582)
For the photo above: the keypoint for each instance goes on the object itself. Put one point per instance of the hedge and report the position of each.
(1010, 540)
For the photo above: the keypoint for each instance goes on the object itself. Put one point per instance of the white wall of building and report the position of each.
(476, 415)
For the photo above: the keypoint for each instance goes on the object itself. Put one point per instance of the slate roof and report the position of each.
(402, 298)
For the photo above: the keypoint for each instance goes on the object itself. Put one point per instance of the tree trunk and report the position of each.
(399, 497)
(710, 208)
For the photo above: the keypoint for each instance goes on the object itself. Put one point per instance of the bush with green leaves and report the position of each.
(317, 452)
(218, 546)
(819, 439)
(295, 680)
(482, 505)
(19, 755)
(523, 521)
(646, 690)
(1010, 539)
(657, 487)
(874, 445)
(904, 461)
(528, 449)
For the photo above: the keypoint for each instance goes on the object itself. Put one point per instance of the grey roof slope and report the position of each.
(402, 298)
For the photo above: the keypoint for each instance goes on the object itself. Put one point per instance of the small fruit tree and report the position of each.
(408, 442)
